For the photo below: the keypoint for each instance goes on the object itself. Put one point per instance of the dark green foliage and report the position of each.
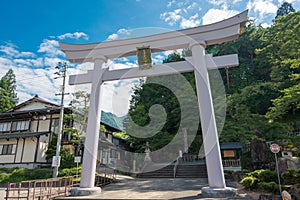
(269, 187)
(264, 175)
(285, 9)
(261, 179)
(22, 174)
(8, 95)
(291, 177)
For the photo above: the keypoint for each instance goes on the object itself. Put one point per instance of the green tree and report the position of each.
(285, 9)
(8, 91)
(284, 55)
(250, 68)
(152, 91)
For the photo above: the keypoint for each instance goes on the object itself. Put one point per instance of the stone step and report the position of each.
(183, 171)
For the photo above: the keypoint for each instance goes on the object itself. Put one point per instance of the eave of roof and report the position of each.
(22, 135)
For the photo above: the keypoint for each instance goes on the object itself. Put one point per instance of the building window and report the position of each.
(20, 126)
(8, 149)
(5, 126)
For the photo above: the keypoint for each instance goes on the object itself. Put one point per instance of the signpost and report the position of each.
(77, 159)
(56, 161)
(275, 148)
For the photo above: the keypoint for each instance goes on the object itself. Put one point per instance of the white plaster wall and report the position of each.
(7, 158)
(29, 149)
(34, 106)
(44, 125)
(19, 150)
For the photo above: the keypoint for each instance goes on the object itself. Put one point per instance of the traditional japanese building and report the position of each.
(25, 133)
(27, 130)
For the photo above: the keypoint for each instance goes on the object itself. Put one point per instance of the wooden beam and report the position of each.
(157, 70)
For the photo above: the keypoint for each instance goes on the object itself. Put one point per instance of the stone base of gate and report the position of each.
(218, 192)
(85, 191)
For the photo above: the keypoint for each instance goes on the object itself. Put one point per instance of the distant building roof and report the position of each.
(112, 120)
(36, 99)
(229, 145)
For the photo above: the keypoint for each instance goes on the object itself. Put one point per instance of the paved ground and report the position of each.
(2, 193)
(164, 188)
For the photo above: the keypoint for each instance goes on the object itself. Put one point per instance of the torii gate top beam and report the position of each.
(219, 32)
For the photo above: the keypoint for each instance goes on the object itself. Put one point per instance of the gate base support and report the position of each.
(85, 191)
(218, 192)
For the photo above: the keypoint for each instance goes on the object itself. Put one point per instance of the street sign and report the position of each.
(77, 159)
(55, 161)
(275, 148)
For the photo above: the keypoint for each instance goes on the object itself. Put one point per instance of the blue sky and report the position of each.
(30, 31)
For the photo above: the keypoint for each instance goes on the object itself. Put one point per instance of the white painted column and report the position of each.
(208, 122)
(93, 127)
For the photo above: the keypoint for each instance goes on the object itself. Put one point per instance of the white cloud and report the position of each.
(171, 17)
(75, 35)
(192, 6)
(118, 95)
(265, 25)
(121, 34)
(51, 48)
(113, 36)
(215, 15)
(170, 3)
(262, 7)
(11, 50)
(191, 22)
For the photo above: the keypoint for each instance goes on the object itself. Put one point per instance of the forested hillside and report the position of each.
(263, 92)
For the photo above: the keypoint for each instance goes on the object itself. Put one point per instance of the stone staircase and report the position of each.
(185, 170)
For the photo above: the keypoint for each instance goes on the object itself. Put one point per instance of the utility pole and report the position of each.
(62, 68)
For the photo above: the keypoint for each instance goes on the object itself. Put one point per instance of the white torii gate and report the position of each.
(196, 39)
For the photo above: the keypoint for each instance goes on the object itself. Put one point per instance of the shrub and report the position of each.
(264, 175)
(291, 177)
(69, 172)
(40, 174)
(3, 177)
(269, 186)
(249, 182)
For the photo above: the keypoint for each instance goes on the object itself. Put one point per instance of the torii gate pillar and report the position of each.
(207, 116)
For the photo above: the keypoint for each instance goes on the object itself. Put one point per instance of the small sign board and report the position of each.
(144, 57)
(275, 148)
(77, 159)
(55, 161)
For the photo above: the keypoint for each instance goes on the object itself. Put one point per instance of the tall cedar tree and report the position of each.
(8, 95)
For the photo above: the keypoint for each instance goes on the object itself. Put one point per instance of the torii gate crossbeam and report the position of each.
(196, 39)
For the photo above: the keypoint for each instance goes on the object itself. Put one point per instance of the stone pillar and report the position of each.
(208, 122)
(93, 127)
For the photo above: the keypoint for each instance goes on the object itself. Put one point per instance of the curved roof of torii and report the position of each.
(219, 32)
